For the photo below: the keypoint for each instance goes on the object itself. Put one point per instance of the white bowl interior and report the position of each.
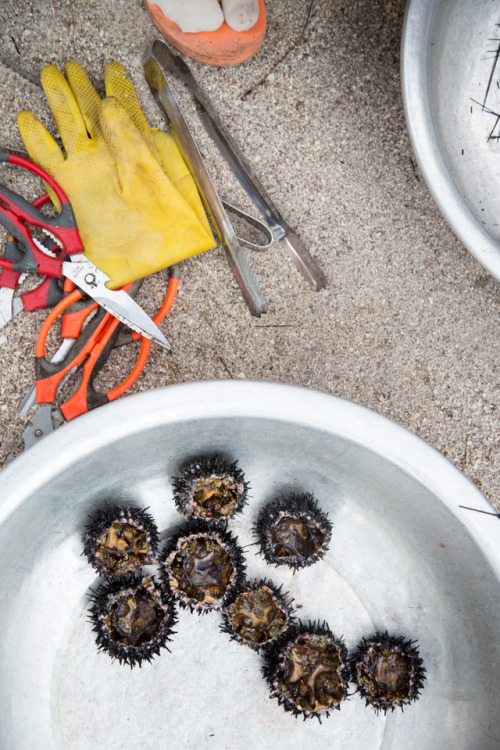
(450, 71)
(399, 559)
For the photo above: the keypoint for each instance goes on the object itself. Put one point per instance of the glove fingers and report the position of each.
(119, 86)
(40, 145)
(128, 147)
(177, 170)
(69, 119)
(87, 98)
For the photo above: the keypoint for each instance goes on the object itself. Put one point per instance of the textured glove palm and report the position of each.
(132, 218)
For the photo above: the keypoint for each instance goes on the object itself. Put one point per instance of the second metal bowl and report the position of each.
(450, 75)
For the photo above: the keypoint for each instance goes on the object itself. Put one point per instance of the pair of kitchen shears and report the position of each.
(17, 215)
(93, 341)
(76, 316)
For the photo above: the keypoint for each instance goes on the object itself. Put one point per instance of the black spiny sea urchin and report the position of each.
(132, 618)
(120, 540)
(293, 531)
(259, 614)
(211, 488)
(202, 566)
(388, 671)
(307, 670)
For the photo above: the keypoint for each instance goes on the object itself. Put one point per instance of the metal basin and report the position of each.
(450, 74)
(404, 557)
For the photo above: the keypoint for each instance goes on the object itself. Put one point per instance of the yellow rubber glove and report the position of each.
(132, 219)
(120, 86)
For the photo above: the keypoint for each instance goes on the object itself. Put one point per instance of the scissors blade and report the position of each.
(92, 281)
(6, 301)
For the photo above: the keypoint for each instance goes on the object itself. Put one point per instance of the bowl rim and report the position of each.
(262, 400)
(417, 105)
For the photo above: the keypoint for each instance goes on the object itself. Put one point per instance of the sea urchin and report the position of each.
(293, 531)
(259, 614)
(120, 540)
(388, 671)
(211, 487)
(202, 565)
(307, 670)
(132, 618)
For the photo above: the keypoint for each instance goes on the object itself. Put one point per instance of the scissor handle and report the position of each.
(21, 161)
(47, 294)
(91, 349)
(72, 320)
(16, 213)
(87, 397)
(49, 374)
(13, 260)
(8, 277)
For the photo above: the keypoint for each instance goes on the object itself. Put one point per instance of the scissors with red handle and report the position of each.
(17, 215)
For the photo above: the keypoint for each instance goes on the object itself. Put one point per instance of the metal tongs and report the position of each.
(161, 58)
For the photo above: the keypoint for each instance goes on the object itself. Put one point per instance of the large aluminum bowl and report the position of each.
(450, 75)
(404, 557)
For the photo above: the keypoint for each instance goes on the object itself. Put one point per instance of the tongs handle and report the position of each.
(255, 223)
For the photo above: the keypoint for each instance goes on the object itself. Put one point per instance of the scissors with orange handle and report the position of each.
(89, 357)
(91, 347)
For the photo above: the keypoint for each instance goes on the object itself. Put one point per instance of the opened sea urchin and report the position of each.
(307, 670)
(203, 566)
(259, 614)
(132, 618)
(388, 671)
(120, 540)
(293, 531)
(210, 488)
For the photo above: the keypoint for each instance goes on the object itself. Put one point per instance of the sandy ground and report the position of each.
(408, 323)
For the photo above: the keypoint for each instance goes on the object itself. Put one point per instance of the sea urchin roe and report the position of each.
(310, 674)
(201, 569)
(385, 673)
(122, 547)
(296, 537)
(134, 617)
(257, 617)
(215, 496)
